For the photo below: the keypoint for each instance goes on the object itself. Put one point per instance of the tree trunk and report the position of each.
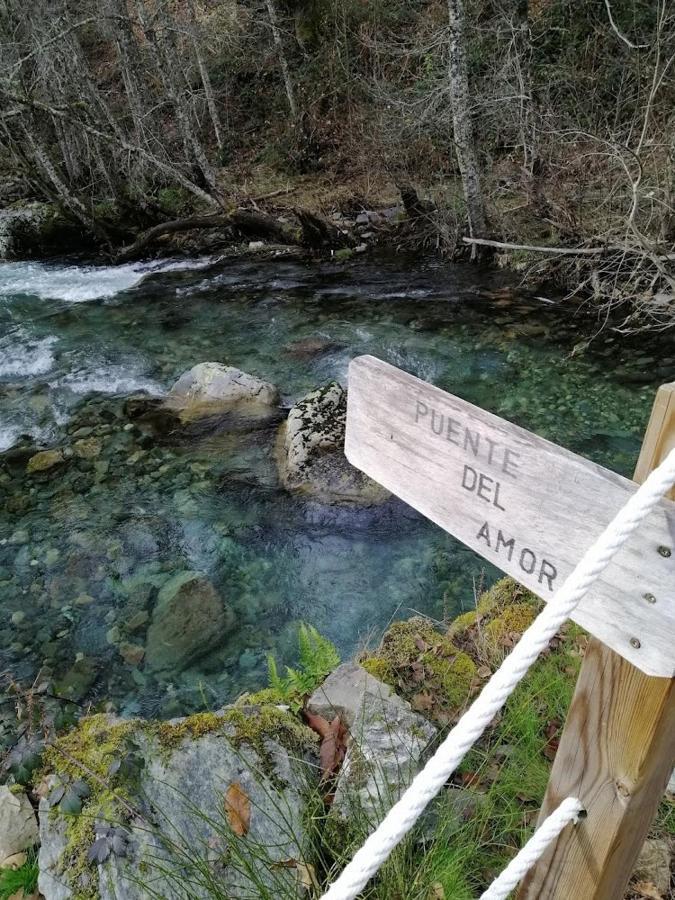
(283, 62)
(195, 35)
(458, 79)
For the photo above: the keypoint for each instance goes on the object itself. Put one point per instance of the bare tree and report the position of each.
(465, 146)
(283, 62)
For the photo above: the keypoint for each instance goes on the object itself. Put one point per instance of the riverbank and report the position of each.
(274, 793)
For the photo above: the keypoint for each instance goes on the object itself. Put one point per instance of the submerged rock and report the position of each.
(311, 452)
(212, 799)
(386, 740)
(210, 388)
(18, 825)
(44, 460)
(189, 620)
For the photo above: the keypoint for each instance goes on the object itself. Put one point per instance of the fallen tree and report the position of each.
(313, 233)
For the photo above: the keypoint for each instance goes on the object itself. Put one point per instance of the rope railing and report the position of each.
(405, 813)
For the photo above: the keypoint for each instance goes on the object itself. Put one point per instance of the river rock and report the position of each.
(189, 620)
(210, 388)
(18, 825)
(311, 452)
(386, 740)
(184, 782)
(44, 460)
(33, 230)
(87, 448)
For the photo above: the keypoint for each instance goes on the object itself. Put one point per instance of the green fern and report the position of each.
(317, 659)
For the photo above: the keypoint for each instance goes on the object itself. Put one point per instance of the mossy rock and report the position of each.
(425, 667)
(157, 780)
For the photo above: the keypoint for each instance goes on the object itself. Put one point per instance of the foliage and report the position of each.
(317, 657)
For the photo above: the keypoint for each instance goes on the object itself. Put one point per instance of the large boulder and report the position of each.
(32, 230)
(18, 825)
(211, 388)
(311, 452)
(213, 801)
(189, 620)
(385, 745)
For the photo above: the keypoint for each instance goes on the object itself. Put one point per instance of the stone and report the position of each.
(34, 230)
(18, 617)
(78, 679)
(138, 621)
(87, 448)
(189, 620)
(14, 862)
(211, 388)
(132, 654)
(183, 782)
(386, 740)
(44, 460)
(310, 452)
(653, 865)
(18, 825)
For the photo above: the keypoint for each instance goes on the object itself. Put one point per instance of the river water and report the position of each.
(87, 545)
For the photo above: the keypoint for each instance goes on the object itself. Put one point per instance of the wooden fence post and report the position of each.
(618, 746)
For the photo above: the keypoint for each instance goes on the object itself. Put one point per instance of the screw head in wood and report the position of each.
(635, 643)
(665, 551)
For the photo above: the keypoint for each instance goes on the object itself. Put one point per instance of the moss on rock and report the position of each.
(425, 667)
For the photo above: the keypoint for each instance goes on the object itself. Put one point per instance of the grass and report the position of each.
(14, 880)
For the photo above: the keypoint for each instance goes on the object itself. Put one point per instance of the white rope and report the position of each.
(403, 815)
(568, 811)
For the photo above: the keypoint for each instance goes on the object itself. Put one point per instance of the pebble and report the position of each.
(18, 617)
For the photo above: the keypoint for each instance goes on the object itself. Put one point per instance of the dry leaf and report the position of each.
(238, 809)
(317, 723)
(648, 890)
(436, 891)
(306, 873)
(484, 672)
(333, 747)
(422, 702)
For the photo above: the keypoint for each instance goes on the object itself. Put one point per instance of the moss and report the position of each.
(514, 619)
(171, 734)
(86, 754)
(379, 668)
(416, 660)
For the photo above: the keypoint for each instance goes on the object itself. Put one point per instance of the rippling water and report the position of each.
(85, 547)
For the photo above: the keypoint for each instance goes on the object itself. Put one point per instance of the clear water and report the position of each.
(85, 546)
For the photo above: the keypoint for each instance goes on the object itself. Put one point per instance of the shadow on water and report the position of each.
(86, 547)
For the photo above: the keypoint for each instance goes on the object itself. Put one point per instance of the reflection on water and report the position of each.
(86, 548)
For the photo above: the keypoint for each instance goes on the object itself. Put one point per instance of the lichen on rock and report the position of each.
(310, 452)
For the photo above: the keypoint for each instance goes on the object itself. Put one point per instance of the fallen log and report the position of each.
(247, 222)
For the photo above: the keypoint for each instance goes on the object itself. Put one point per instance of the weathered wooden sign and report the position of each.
(525, 504)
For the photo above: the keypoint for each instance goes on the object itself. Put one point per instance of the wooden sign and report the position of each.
(528, 506)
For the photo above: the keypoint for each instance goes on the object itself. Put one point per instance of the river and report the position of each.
(85, 546)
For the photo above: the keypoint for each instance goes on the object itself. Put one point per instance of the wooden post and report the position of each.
(617, 749)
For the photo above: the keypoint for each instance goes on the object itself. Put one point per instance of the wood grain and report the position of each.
(528, 506)
(616, 753)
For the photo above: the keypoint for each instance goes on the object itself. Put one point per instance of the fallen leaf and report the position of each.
(436, 891)
(15, 861)
(317, 723)
(417, 669)
(332, 750)
(238, 809)
(306, 873)
(648, 890)
(421, 702)
(484, 672)
(421, 644)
